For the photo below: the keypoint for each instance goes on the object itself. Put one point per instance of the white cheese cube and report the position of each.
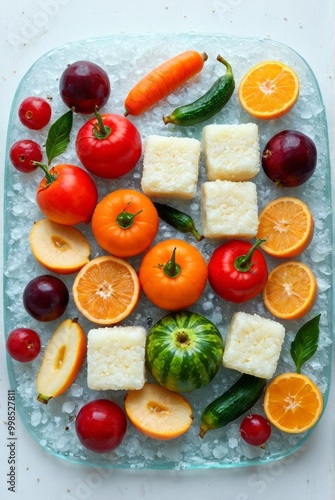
(231, 151)
(253, 345)
(116, 358)
(170, 167)
(229, 209)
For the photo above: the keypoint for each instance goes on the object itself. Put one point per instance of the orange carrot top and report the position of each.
(163, 80)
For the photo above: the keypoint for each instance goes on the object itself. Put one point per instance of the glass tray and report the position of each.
(126, 59)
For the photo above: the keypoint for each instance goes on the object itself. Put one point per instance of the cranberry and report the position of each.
(23, 344)
(23, 153)
(35, 112)
(255, 429)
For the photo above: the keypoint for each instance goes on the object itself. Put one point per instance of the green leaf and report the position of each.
(305, 343)
(59, 136)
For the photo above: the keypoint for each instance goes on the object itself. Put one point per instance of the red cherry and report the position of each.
(23, 153)
(255, 429)
(23, 344)
(35, 112)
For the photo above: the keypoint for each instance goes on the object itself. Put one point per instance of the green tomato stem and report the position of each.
(243, 262)
(126, 219)
(48, 175)
(100, 130)
(172, 269)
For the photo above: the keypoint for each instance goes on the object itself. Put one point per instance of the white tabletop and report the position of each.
(28, 30)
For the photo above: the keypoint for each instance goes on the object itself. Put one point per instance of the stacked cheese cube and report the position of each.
(229, 207)
(116, 358)
(253, 345)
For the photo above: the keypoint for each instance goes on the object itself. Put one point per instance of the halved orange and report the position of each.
(293, 403)
(290, 291)
(106, 290)
(287, 226)
(157, 412)
(59, 248)
(269, 90)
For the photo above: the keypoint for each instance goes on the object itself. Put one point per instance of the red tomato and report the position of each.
(67, 194)
(109, 145)
(237, 271)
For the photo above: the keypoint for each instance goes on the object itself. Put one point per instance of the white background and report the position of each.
(28, 30)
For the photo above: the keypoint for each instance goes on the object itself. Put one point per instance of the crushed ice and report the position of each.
(52, 425)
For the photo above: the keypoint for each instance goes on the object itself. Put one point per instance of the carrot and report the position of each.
(162, 81)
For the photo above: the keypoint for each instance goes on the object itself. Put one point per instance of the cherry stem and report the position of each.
(49, 177)
(126, 219)
(243, 262)
(171, 268)
(100, 130)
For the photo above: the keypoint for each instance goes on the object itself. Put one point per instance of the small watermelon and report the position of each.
(184, 351)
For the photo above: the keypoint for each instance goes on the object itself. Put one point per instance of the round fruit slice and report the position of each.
(62, 360)
(293, 403)
(287, 226)
(60, 249)
(269, 90)
(290, 291)
(157, 412)
(106, 290)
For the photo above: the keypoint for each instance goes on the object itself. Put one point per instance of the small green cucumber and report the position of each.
(232, 403)
(207, 105)
(179, 220)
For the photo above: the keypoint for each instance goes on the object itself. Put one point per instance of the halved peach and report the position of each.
(62, 360)
(59, 248)
(157, 412)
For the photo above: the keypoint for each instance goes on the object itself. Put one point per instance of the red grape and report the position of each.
(84, 86)
(35, 112)
(23, 153)
(289, 158)
(45, 298)
(101, 425)
(23, 344)
(255, 429)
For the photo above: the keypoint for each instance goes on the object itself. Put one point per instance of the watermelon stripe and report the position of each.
(178, 366)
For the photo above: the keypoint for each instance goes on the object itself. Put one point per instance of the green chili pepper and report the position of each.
(179, 220)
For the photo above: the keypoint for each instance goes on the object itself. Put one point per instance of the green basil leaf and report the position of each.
(305, 343)
(59, 136)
